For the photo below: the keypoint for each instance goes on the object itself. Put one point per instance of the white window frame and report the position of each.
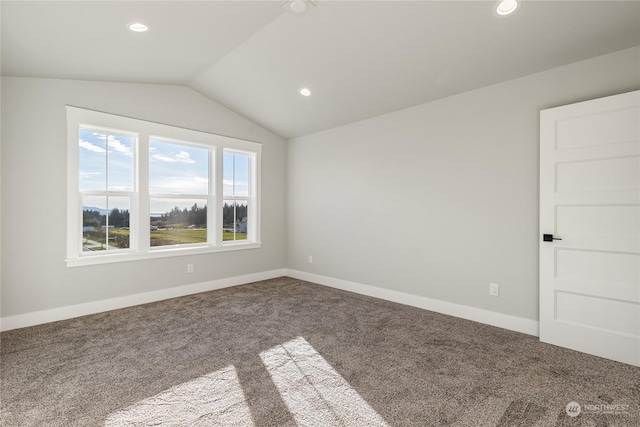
(209, 197)
(250, 198)
(140, 198)
(131, 194)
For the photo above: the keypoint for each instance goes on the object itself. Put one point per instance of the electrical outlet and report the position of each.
(310, 259)
(189, 268)
(494, 289)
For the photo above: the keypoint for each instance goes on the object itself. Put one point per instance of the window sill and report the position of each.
(158, 253)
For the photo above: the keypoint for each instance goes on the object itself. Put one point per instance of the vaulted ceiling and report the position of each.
(359, 58)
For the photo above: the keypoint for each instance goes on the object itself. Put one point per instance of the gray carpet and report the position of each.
(285, 352)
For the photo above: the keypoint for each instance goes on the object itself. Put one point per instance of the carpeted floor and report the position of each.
(285, 352)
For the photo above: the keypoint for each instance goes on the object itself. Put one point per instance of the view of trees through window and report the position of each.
(181, 182)
(106, 183)
(179, 188)
(235, 172)
(100, 227)
(234, 219)
(180, 225)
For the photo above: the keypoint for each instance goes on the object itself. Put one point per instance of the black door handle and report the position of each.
(549, 238)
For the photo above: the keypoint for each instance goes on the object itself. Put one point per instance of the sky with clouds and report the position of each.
(174, 169)
(94, 148)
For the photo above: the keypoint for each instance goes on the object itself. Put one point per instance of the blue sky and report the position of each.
(235, 168)
(173, 169)
(94, 147)
(177, 169)
(93, 153)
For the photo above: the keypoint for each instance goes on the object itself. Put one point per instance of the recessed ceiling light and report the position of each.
(138, 27)
(305, 92)
(506, 7)
(298, 6)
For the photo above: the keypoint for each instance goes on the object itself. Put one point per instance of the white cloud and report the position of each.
(119, 146)
(239, 184)
(91, 147)
(114, 143)
(240, 189)
(181, 157)
(180, 185)
(88, 174)
(163, 158)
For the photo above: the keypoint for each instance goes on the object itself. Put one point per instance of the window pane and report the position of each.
(178, 169)
(94, 217)
(120, 162)
(93, 160)
(241, 172)
(101, 152)
(105, 223)
(178, 221)
(227, 173)
(118, 222)
(234, 220)
(235, 167)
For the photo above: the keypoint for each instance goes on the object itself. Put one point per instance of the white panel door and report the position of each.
(590, 198)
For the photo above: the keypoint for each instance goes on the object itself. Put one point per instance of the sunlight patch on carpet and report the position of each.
(315, 394)
(213, 399)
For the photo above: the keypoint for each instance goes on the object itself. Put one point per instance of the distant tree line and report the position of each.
(183, 218)
(227, 214)
(117, 218)
(176, 217)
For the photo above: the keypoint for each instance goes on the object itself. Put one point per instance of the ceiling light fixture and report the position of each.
(299, 7)
(506, 7)
(138, 27)
(305, 92)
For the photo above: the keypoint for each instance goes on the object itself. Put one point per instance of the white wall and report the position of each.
(34, 274)
(441, 199)
(436, 201)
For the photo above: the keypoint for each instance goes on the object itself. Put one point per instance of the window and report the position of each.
(142, 190)
(179, 192)
(235, 166)
(106, 187)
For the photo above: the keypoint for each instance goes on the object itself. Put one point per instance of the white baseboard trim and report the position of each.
(500, 320)
(492, 318)
(71, 311)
